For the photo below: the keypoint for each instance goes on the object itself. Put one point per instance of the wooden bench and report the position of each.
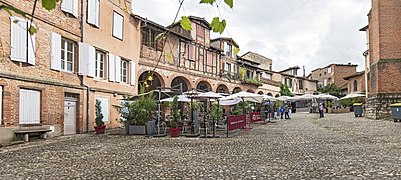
(25, 133)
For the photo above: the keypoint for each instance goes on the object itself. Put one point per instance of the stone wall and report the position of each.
(378, 105)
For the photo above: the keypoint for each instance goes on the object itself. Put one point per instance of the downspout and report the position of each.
(82, 76)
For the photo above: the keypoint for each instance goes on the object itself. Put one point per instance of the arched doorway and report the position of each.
(181, 80)
(260, 92)
(222, 89)
(156, 82)
(236, 90)
(270, 94)
(251, 91)
(204, 86)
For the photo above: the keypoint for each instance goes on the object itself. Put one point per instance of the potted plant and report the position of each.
(135, 112)
(100, 127)
(174, 129)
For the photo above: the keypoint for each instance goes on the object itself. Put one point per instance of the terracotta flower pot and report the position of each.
(174, 132)
(100, 129)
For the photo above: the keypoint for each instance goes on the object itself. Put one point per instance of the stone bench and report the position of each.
(26, 133)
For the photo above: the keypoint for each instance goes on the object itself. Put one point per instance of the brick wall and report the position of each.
(339, 72)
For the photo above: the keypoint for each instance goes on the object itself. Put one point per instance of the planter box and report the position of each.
(138, 130)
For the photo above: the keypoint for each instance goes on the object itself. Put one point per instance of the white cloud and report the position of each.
(291, 32)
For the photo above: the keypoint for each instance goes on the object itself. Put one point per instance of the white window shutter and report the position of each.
(29, 107)
(232, 68)
(93, 12)
(132, 72)
(31, 48)
(112, 68)
(118, 68)
(18, 39)
(75, 8)
(70, 6)
(118, 22)
(104, 102)
(91, 61)
(55, 51)
(83, 58)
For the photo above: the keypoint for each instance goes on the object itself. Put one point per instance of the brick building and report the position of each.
(333, 74)
(38, 76)
(51, 79)
(383, 58)
(356, 83)
(298, 85)
(190, 58)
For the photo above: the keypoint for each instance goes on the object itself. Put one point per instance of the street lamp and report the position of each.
(191, 95)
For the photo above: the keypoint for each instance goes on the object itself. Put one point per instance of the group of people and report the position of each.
(286, 111)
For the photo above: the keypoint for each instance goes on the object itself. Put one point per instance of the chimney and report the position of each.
(303, 67)
(349, 64)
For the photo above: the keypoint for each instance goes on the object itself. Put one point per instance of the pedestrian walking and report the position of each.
(281, 111)
(286, 110)
(289, 110)
(321, 107)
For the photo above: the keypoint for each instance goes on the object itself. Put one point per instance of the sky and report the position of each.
(310, 33)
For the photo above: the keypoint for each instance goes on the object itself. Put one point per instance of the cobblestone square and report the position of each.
(338, 146)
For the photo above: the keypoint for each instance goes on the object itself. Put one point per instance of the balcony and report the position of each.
(252, 81)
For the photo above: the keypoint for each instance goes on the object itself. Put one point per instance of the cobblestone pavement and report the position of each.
(306, 147)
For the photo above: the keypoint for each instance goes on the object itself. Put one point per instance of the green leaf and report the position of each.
(236, 50)
(49, 4)
(229, 3)
(218, 26)
(207, 1)
(185, 23)
(32, 30)
(168, 56)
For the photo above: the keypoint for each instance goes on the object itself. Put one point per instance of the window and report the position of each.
(228, 49)
(104, 104)
(22, 43)
(294, 72)
(288, 82)
(124, 71)
(329, 70)
(325, 82)
(301, 84)
(118, 25)
(99, 64)
(70, 6)
(200, 31)
(355, 85)
(67, 55)
(29, 106)
(93, 12)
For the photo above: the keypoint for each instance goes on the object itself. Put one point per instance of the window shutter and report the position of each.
(70, 6)
(31, 47)
(118, 25)
(55, 51)
(132, 72)
(93, 12)
(112, 67)
(83, 58)
(91, 61)
(18, 39)
(29, 107)
(232, 68)
(118, 68)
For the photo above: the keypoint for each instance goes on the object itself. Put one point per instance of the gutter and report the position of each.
(82, 76)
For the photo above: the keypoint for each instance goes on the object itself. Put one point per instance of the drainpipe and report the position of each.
(82, 76)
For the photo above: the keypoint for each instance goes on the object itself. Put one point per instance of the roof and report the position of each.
(364, 28)
(145, 20)
(203, 20)
(354, 75)
(263, 58)
(225, 39)
(349, 64)
(290, 68)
